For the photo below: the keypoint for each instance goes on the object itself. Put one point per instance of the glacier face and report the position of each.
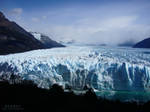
(102, 68)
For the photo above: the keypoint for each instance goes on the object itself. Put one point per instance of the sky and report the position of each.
(85, 21)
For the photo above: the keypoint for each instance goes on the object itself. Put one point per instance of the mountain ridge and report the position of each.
(46, 40)
(143, 44)
(15, 39)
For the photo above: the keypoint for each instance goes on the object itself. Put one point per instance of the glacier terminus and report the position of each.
(99, 67)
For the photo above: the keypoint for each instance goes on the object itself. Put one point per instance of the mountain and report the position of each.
(143, 44)
(67, 41)
(14, 39)
(49, 43)
(126, 44)
(96, 44)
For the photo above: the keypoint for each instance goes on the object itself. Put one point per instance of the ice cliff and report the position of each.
(101, 68)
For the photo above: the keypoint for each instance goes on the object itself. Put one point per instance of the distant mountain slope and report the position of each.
(143, 44)
(46, 40)
(68, 41)
(126, 44)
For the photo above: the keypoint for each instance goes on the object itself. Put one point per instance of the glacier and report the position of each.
(102, 68)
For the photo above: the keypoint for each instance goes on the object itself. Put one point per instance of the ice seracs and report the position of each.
(101, 68)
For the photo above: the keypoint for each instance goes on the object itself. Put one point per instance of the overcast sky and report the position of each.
(88, 21)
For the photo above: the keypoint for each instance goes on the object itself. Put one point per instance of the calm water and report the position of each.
(125, 95)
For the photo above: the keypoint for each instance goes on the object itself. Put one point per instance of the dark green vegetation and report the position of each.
(26, 96)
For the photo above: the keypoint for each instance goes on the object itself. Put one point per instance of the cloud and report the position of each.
(34, 19)
(119, 22)
(110, 23)
(110, 31)
(119, 29)
(17, 11)
(44, 17)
